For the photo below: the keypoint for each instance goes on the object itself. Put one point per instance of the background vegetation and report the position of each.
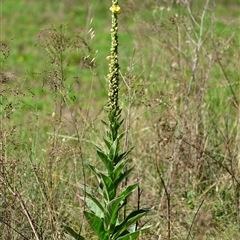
(180, 99)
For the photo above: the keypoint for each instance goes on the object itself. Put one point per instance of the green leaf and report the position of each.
(96, 172)
(113, 152)
(106, 184)
(132, 235)
(105, 159)
(122, 155)
(122, 177)
(72, 233)
(109, 187)
(94, 205)
(108, 143)
(111, 212)
(114, 122)
(97, 225)
(128, 190)
(85, 188)
(130, 220)
(118, 169)
(93, 202)
(68, 237)
(129, 236)
(114, 125)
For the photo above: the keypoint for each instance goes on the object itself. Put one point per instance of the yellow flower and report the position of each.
(115, 9)
(108, 58)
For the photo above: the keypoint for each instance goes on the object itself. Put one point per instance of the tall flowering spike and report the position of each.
(113, 75)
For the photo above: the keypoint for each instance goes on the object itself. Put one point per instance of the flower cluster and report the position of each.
(115, 9)
(113, 76)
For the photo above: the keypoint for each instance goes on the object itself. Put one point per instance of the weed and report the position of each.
(104, 211)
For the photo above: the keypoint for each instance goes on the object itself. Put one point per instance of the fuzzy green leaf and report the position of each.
(97, 225)
(130, 220)
(72, 233)
(113, 152)
(132, 235)
(114, 125)
(120, 136)
(118, 169)
(109, 190)
(114, 121)
(111, 212)
(122, 156)
(93, 202)
(106, 184)
(94, 205)
(96, 172)
(129, 236)
(128, 190)
(108, 143)
(105, 159)
(122, 176)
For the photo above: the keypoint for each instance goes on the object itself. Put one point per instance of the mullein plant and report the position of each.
(103, 211)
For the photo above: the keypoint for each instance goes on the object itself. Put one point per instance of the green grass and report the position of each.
(187, 139)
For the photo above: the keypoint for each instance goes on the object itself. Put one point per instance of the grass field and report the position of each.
(179, 94)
